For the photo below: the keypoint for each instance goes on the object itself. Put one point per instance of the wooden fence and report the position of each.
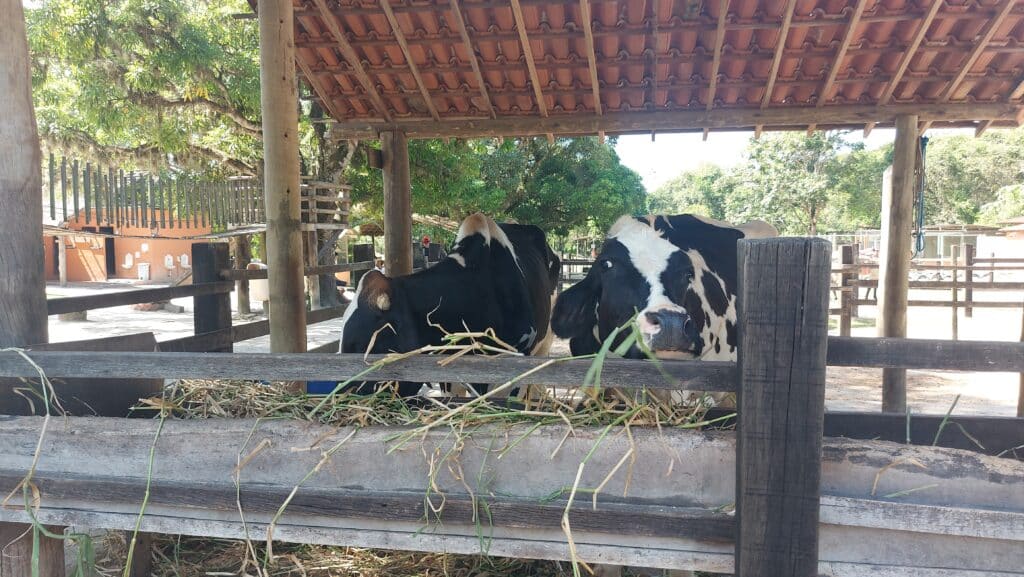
(90, 194)
(963, 285)
(805, 505)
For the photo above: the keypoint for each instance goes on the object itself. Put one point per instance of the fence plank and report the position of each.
(986, 356)
(53, 188)
(86, 192)
(623, 373)
(64, 188)
(235, 274)
(783, 312)
(121, 298)
(74, 187)
(99, 194)
(212, 312)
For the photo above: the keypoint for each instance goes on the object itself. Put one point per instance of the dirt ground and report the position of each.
(847, 388)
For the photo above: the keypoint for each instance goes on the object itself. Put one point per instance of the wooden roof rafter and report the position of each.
(716, 59)
(837, 61)
(981, 44)
(460, 23)
(396, 29)
(319, 89)
(531, 65)
(588, 34)
(908, 55)
(780, 47)
(349, 53)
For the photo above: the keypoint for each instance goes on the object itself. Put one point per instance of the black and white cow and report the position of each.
(676, 273)
(497, 276)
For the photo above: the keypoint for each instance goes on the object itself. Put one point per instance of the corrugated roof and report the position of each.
(729, 63)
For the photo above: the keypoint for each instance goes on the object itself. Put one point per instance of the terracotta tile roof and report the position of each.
(415, 61)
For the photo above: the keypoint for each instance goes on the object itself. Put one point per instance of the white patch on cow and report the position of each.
(350, 310)
(528, 338)
(458, 258)
(714, 329)
(649, 253)
(758, 229)
(476, 223)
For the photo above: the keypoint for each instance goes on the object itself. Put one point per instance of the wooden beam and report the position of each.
(397, 203)
(897, 214)
(981, 44)
(460, 23)
(982, 127)
(908, 55)
(538, 93)
(780, 47)
(349, 53)
(837, 62)
(318, 87)
(588, 34)
(716, 60)
(279, 104)
(773, 118)
(400, 38)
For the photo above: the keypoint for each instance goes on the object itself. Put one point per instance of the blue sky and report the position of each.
(670, 154)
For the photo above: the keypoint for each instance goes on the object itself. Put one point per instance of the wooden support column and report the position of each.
(279, 103)
(212, 313)
(894, 258)
(62, 261)
(969, 256)
(311, 249)
(783, 330)
(243, 254)
(397, 203)
(23, 318)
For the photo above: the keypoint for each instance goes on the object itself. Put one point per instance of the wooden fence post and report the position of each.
(361, 253)
(846, 296)
(212, 312)
(956, 293)
(969, 255)
(243, 255)
(783, 328)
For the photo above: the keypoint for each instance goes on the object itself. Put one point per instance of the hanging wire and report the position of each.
(919, 199)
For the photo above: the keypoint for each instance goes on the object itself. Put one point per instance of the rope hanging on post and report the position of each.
(919, 199)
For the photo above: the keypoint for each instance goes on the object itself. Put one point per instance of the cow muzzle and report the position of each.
(668, 330)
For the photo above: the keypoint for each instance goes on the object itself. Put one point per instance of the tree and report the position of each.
(149, 82)
(700, 191)
(558, 186)
(790, 178)
(1008, 203)
(964, 173)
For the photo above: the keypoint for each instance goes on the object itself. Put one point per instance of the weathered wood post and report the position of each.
(894, 258)
(279, 103)
(23, 318)
(62, 261)
(361, 253)
(969, 255)
(212, 312)
(243, 255)
(955, 318)
(397, 203)
(783, 328)
(846, 296)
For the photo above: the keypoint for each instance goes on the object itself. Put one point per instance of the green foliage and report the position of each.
(1008, 203)
(701, 191)
(558, 186)
(964, 173)
(151, 82)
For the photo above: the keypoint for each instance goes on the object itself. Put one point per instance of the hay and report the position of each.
(197, 557)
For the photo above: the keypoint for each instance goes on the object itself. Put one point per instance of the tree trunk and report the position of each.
(23, 318)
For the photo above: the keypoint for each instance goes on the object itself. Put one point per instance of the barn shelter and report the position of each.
(396, 71)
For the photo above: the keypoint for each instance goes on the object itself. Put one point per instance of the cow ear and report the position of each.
(375, 289)
(575, 312)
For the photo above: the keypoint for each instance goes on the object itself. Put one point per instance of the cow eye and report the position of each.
(607, 264)
(689, 275)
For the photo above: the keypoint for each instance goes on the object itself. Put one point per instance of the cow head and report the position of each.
(675, 274)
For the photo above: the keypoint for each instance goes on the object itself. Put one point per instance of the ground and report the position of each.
(848, 388)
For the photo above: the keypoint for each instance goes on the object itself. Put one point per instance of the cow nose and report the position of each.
(667, 330)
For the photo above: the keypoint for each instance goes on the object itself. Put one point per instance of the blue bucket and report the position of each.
(320, 387)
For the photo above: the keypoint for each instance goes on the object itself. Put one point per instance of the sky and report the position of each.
(670, 154)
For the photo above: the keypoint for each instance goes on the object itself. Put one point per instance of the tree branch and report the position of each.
(244, 124)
